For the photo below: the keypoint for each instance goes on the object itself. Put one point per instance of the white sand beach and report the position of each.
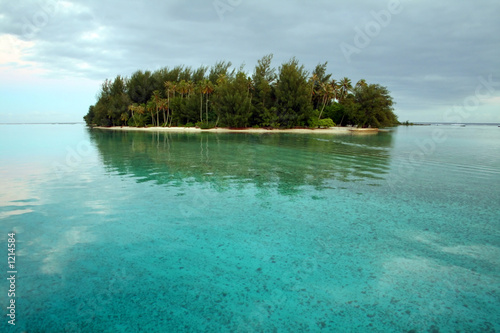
(331, 130)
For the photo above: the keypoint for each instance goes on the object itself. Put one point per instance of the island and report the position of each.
(219, 98)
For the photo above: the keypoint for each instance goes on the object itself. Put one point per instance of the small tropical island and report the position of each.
(211, 98)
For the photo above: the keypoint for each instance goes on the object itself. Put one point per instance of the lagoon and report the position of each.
(120, 231)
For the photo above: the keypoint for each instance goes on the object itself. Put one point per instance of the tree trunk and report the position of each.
(341, 120)
(168, 101)
(324, 104)
(206, 107)
(201, 106)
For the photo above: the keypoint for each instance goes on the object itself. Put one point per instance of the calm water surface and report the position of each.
(156, 232)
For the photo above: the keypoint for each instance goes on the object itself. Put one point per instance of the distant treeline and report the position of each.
(224, 97)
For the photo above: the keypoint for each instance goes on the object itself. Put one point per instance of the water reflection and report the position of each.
(285, 161)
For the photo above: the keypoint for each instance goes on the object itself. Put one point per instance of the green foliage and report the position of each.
(232, 101)
(336, 112)
(292, 95)
(205, 125)
(318, 79)
(375, 106)
(264, 79)
(138, 121)
(140, 87)
(351, 114)
(221, 96)
(89, 118)
(326, 123)
(314, 122)
(112, 104)
(220, 68)
(190, 124)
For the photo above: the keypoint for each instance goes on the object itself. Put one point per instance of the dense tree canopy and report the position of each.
(221, 96)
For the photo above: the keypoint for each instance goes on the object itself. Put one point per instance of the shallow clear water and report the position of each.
(135, 231)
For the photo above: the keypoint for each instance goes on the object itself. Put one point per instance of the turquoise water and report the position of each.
(155, 232)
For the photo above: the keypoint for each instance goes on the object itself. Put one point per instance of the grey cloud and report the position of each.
(432, 51)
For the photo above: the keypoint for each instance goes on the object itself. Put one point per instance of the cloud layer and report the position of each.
(428, 53)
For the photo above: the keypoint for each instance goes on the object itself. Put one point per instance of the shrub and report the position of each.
(321, 123)
(136, 121)
(325, 123)
(205, 125)
(313, 122)
(190, 124)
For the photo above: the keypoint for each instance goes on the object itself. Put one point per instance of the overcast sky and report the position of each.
(439, 59)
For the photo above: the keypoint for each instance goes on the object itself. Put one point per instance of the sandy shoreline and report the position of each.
(331, 130)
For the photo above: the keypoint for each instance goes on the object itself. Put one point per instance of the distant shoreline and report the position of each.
(54, 123)
(331, 130)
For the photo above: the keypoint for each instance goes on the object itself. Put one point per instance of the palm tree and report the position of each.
(190, 87)
(124, 117)
(208, 88)
(136, 110)
(327, 92)
(140, 109)
(335, 89)
(345, 87)
(361, 83)
(151, 107)
(313, 81)
(200, 87)
(164, 107)
(157, 102)
(169, 88)
(131, 108)
(181, 88)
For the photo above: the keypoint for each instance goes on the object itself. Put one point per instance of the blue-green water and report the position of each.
(155, 232)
